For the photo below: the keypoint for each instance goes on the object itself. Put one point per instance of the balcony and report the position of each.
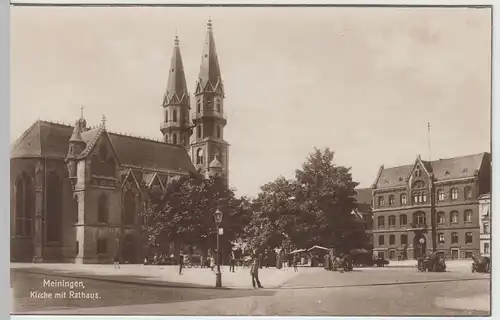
(416, 226)
(173, 124)
(210, 114)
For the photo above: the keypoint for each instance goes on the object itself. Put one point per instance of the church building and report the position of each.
(77, 191)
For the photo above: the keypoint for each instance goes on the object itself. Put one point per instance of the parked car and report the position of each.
(481, 264)
(431, 263)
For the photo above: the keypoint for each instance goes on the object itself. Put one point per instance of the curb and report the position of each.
(382, 284)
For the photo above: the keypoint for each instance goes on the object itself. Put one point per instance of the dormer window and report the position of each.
(446, 173)
(464, 170)
(198, 106)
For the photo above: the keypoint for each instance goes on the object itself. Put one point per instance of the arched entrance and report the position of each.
(129, 249)
(420, 245)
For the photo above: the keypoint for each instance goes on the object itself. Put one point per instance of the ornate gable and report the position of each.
(419, 172)
(130, 181)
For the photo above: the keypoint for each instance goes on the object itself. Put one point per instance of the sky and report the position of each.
(363, 82)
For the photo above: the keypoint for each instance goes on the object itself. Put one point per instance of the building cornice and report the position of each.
(391, 189)
(453, 181)
(402, 208)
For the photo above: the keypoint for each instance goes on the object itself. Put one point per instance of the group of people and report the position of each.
(286, 260)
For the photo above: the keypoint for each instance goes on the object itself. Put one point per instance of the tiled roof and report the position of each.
(209, 78)
(443, 169)
(47, 139)
(393, 177)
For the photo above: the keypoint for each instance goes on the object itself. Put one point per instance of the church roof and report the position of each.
(176, 86)
(47, 139)
(209, 78)
(442, 169)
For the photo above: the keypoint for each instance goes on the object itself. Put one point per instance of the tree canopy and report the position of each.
(184, 213)
(312, 209)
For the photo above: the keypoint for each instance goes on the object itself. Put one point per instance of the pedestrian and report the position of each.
(212, 263)
(181, 263)
(231, 262)
(254, 272)
(116, 260)
(295, 263)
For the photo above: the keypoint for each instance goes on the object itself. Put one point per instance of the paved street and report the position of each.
(311, 291)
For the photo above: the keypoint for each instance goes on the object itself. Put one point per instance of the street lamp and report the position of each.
(421, 241)
(218, 219)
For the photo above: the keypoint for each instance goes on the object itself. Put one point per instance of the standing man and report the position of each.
(295, 263)
(116, 258)
(254, 272)
(181, 263)
(231, 261)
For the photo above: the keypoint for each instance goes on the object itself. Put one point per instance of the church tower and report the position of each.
(207, 142)
(176, 128)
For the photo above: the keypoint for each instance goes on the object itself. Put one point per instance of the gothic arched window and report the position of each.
(129, 208)
(103, 153)
(111, 167)
(419, 218)
(441, 217)
(454, 193)
(392, 239)
(166, 115)
(218, 131)
(217, 105)
(199, 156)
(174, 116)
(198, 130)
(54, 216)
(403, 220)
(468, 193)
(25, 200)
(102, 209)
(403, 198)
(404, 239)
(392, 221)
(380, 221)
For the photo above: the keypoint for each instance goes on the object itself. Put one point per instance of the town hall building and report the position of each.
(430, 206)
(77, 191)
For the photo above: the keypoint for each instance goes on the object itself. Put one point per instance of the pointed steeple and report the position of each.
(209, 78)
(77, 133)
(177, 92)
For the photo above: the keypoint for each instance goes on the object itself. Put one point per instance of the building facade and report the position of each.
(485, 224)
(430, 206)
(77, 191)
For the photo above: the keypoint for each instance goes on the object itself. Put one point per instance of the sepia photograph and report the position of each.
(251, 161)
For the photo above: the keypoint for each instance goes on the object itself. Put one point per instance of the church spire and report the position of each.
(176, 92)
(209, 78)
(175, 127)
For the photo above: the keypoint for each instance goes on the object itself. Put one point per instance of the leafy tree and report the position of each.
(314, 208)
(328, 192)
(184, 213)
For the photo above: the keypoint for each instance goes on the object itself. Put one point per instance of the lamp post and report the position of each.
(421, 241)
(218, 276)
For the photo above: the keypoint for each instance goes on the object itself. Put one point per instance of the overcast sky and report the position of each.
(361, 81)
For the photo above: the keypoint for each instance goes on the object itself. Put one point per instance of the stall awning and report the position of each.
(318, 247)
